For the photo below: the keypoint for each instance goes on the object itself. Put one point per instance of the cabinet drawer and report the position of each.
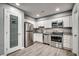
(67, 41)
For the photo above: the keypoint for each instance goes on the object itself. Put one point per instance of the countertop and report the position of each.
(65, 33)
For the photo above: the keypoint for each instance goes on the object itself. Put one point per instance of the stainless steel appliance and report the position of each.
(54, 24)
(57, 24)
(57, 39)
(47, 39)
(28, 34)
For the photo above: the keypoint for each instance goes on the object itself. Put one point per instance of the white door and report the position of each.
(75, 33)
(11, 29)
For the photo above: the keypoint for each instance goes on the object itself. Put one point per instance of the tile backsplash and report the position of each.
(53, 30)
(64, 30)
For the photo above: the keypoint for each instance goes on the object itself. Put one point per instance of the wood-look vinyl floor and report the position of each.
(39, 49)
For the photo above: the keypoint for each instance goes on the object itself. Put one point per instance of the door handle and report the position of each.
(75, 35)
(19, 33)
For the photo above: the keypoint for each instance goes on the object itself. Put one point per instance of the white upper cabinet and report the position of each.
(47, 24)
(40, 23)
(70, 21)
(67, 21)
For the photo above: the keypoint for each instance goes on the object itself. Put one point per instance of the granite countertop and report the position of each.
(65, 33)
(47, 33)
(43, 33)
(38, 32)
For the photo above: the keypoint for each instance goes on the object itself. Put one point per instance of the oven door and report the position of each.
(56, 41)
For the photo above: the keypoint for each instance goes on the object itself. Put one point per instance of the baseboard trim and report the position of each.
(37, 42)
(22, 48)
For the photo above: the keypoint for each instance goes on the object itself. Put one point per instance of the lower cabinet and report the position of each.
(56, 44)
(67, 42)
(38, 37)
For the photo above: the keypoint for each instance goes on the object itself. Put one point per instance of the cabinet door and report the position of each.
(47, 24)
(67, 42)
(38, 37)
(66, 21)
(70, 21)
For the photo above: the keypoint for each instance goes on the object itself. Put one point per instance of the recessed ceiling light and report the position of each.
(57, 9)
(17, 4)
(37, 15)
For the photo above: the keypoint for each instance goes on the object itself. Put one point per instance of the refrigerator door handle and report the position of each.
(75, 35)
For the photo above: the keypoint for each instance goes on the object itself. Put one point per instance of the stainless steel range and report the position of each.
(57, 39)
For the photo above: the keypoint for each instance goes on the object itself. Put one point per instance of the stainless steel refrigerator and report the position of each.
(28, 34)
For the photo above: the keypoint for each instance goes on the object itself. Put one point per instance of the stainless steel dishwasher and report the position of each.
(47, 39)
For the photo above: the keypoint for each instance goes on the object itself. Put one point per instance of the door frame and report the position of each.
(5, 42)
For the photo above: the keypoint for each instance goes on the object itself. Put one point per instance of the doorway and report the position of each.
(12, 34)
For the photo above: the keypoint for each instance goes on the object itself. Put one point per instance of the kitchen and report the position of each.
(45, 30)
(61, 26)
(42, 27)
(54, 30)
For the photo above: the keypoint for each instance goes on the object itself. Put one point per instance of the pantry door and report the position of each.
(12, 41)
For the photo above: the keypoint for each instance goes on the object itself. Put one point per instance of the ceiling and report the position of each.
(43, 9)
